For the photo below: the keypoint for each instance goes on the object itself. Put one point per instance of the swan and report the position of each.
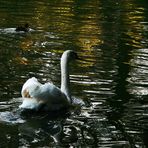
(35, 95)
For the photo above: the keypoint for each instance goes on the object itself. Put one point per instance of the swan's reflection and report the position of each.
(39, 129)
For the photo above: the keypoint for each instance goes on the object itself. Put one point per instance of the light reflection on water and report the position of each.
(111, 78)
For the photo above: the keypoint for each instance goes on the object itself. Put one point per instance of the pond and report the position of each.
(110, 37)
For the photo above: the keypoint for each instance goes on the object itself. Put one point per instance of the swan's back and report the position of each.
(36, 94)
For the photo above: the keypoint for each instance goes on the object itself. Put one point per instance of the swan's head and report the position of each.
(70, 55)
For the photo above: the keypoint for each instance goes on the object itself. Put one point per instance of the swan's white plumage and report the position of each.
(36, 94)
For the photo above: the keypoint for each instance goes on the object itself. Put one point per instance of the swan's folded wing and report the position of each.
(51, 93)
(52, 96)
(37, 94)
(30, 87)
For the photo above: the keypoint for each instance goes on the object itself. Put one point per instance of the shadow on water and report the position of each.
(31, 128)
(111, 78)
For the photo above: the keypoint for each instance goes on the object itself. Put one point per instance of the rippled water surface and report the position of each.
(110, 37)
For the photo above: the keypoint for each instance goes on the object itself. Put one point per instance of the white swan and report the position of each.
(35, 94)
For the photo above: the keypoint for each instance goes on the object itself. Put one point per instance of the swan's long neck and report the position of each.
(65, 81)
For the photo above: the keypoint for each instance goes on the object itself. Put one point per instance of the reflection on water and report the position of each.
(111, 78)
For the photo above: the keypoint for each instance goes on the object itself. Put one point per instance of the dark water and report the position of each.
(111, 37)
